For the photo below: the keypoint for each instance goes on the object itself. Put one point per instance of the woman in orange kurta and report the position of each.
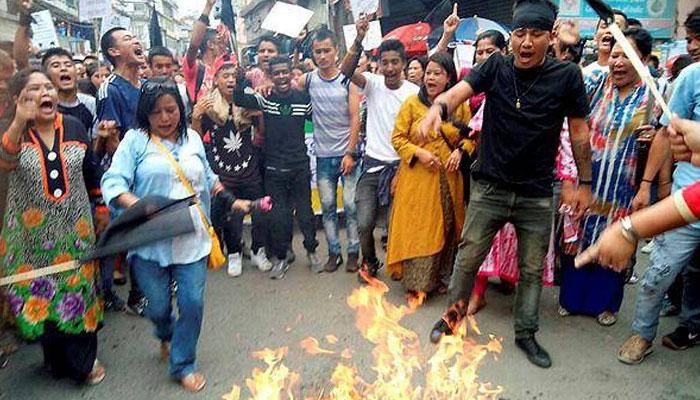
(427, 213)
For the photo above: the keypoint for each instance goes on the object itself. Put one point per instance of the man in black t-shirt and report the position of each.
(529, 95)
(287, 172)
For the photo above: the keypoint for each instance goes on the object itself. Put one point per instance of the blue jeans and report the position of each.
(183, 332)
(327, 174)
(671, 254)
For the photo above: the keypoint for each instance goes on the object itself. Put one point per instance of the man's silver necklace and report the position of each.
(515, 85)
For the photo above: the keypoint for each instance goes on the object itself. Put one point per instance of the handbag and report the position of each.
(216, 258)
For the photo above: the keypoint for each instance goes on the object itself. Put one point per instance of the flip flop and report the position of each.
(606, 318)
(97, 375)
(193, 382)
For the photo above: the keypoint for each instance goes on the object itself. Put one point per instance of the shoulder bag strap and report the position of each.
(181, 176)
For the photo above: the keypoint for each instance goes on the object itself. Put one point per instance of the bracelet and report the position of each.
(665, 183)
(204, 19)
(628, 232)
(648, 180)
(585, 182)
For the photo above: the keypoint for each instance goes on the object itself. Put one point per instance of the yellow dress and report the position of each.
(425, 222)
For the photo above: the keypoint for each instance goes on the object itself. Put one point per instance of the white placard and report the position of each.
(114, 21)
(372, 40)
(464, 56)
(363, 7)
(287, 19)
(44, 30)
(89, 9)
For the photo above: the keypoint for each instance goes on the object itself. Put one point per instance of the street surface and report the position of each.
(252, 312)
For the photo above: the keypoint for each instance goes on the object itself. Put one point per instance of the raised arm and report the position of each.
(352, 57)
(200, 28)
(449, 27)
(20, 48)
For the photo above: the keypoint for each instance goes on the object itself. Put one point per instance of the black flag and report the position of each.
(228, 17)
(154, 29)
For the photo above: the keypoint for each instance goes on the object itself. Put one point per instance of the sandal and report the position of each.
(165, 351)
(606, 318)
(193, 382)
(563, 312)
(97, 375)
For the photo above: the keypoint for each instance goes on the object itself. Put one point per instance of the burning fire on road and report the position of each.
(449, 374)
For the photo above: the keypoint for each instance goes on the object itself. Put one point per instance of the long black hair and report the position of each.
(151, 91)
(444, 60)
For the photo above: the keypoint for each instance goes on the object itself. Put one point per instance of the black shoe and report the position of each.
(353, 263)
(334, 262)
(368, 269)
(137, 303)
(535, 353)
(114, 302)
(440, 328)
(681, 339)
(291, 256)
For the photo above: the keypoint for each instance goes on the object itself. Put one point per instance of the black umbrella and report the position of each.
(149, 220)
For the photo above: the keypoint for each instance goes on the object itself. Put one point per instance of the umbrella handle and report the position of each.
(38, 273)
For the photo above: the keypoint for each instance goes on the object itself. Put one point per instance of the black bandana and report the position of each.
(534, 16)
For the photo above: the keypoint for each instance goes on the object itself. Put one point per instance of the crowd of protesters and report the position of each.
(528, 167)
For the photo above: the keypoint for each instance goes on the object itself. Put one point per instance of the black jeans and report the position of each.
(232, 226)
(367, 214)
(290, 190)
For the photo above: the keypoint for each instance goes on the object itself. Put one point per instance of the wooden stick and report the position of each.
(37, 273)
(641, 69)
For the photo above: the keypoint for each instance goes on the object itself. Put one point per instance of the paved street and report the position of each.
(253, 312)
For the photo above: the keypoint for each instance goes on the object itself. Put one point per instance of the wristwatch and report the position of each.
(628, 232)
(354, 154)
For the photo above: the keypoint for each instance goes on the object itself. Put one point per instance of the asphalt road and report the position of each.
(252, 312)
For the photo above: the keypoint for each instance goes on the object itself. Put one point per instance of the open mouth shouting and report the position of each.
(606, 42)
(47, 105)
(66, 81)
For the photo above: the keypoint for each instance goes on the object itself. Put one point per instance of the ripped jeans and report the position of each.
(672, 252)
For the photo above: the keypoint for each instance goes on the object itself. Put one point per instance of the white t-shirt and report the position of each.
(593, 67)
(383, 105)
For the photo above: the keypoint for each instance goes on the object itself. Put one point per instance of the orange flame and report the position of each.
(450, 373)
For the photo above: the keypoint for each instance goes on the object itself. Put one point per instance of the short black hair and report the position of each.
(269, 39)
(422, 60)
(159, 51)
(152, 90)
(548, 3)
(623, 15)
(393, 45)
(496, 37)
(107, 42)
(655, 60)
(324, 34)
(54, 52)
(680, 64)
(280, 59)
(692, 23)
(209, 35)
(642, 38)
(634, 22)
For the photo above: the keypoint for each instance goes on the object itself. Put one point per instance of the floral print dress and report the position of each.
(48, 221)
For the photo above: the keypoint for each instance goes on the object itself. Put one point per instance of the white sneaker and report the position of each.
(260, 260)
(235, 264)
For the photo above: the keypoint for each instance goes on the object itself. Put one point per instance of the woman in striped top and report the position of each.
(620, 105)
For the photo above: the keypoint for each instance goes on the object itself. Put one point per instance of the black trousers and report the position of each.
(68, 355)
(232, 226)
(290, 190)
